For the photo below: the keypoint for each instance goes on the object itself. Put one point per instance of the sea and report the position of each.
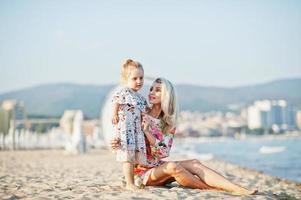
(276, 156)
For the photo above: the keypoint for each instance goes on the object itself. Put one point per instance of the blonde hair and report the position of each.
(125, 69)
(169, 104)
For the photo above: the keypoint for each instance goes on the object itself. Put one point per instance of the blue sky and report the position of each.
(216, 43)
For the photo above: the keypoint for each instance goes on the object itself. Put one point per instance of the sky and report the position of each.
(209, 43)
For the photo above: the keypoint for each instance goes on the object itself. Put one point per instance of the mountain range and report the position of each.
(53, 99)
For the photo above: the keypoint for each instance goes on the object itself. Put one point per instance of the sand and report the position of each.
(49, 174)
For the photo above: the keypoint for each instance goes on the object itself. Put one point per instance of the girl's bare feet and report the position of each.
(131, 187)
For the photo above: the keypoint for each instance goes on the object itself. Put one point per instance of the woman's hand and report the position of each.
(145, 123)
(115, 144)
(146, 129)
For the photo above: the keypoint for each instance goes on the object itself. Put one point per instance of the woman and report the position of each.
(159, 127)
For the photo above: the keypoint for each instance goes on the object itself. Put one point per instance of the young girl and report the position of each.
(127, 108)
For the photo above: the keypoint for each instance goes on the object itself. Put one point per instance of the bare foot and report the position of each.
(252, 192)
(131, 187)
(246, 192)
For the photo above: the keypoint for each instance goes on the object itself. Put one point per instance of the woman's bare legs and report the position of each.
(213, 178)
(128, 171)
(169, 170)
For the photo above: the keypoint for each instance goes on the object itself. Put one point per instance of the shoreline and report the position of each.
(245, 137)
(50, 174)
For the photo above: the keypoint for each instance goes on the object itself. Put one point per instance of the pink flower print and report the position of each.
(157, 133)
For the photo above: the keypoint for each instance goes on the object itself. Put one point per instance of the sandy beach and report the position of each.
(49, 174)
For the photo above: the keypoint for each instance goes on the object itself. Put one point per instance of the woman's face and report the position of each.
(154, 95)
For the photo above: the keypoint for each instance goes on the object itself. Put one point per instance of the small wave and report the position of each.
(271, 149)
(206, 156)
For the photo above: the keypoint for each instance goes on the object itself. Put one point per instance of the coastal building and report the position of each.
(210, 124)
(12, 120)
(276, 115)
(258, 115)
(5, 117)
(13, 112)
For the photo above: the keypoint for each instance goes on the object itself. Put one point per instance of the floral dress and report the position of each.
(128, 129)
(155, 153)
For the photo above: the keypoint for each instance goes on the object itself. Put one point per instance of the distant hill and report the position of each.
(218, 98)
(53, 99)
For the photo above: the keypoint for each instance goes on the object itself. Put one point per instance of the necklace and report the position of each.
(155, 114)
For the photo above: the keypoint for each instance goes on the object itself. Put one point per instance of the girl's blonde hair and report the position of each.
(169, 104)
(125, 69)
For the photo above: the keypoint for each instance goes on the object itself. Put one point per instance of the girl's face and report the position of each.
(154, 94)
(135, 79)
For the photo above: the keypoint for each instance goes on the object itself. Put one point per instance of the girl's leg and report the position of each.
(172, 170)
(213, 178)
(128, 171)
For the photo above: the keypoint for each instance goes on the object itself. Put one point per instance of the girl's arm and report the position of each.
(115, 118)
(115, 144)
(120, 97)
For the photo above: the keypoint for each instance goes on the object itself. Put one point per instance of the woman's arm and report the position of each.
(162, 147)
(150, 137)
(145, 125)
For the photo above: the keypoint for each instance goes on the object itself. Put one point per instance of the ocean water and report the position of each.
(280, 157)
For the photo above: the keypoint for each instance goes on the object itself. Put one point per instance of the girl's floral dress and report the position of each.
(155, 153)
(128, 128)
